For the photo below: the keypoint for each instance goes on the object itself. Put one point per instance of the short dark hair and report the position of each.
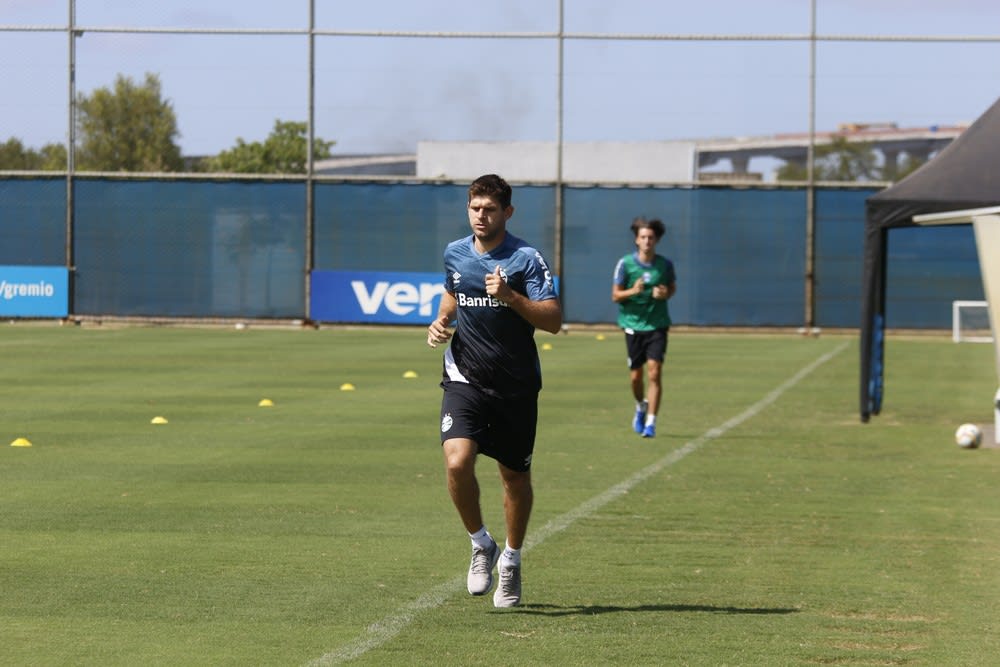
(642, 223)
(491, 185)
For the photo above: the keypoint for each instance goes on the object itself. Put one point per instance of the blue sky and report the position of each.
(384, 94)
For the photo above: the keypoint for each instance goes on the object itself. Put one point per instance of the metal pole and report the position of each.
(70, 151)
(810, 272)
(559, 222)
(310, 138)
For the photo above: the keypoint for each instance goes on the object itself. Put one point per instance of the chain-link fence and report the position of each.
(383, 77)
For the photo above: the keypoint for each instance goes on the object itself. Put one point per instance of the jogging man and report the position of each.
(498, 290)
(643, 283)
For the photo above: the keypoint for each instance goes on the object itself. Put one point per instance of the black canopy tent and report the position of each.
(964, 175)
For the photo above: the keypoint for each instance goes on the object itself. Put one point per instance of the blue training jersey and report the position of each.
(493, 347)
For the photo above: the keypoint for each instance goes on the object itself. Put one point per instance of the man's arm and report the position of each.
(438, 331)
(619, 293)
(545, 315)
(665, 291)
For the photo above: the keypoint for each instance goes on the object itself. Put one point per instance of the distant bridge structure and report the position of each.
(886, 138)
(638, 162)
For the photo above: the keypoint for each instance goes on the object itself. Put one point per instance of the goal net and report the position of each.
(970, 322)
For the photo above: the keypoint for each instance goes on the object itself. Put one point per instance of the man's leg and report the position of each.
(653, 371)
(460, 466)
(518, 497)
(463, 487)
(639, 393)
(635, 380)
(634, 344)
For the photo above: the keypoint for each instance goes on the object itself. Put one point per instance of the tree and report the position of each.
(907, 166)
(14, 155)
(283, 152)
(52, 157)
(840, 160)
(127, 128)
(848, 161)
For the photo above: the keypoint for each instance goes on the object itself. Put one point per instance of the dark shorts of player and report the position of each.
(503, 429)
(645, 345)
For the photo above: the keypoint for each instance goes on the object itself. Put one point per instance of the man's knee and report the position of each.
(459, 456)
(515, 482)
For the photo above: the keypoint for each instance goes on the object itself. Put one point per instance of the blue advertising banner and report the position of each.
(383, 297)
(34, 291)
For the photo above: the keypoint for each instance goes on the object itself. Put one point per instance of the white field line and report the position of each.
(382, 631)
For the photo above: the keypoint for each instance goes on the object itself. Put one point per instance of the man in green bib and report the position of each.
(643, 283)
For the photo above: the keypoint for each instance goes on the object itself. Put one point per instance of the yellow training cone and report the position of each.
(21, 442)
(410, 374)
(158, 420)
(265, 403)
(347, 386)
(547, 346)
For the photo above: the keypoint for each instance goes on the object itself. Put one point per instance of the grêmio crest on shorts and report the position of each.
(493, 347)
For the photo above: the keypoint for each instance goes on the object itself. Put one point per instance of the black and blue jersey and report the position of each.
(493, 347)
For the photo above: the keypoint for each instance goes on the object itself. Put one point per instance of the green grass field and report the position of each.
(765, 525)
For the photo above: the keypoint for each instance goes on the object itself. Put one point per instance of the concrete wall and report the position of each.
(592, 162)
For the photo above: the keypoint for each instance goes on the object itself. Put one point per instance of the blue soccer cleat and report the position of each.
(640, 418)
(649, 431)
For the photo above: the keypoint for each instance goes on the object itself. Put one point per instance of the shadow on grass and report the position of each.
(593, 610)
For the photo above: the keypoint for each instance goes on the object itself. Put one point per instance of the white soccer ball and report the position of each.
(968, 436)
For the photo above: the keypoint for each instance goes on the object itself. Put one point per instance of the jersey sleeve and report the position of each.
(619, 277)
(451, 261)
(538, 281)
(669, 275)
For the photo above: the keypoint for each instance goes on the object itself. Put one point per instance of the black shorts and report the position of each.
(645, 345)
(503, 429)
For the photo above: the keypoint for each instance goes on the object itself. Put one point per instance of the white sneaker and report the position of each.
(508, 593)
(480, 579)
